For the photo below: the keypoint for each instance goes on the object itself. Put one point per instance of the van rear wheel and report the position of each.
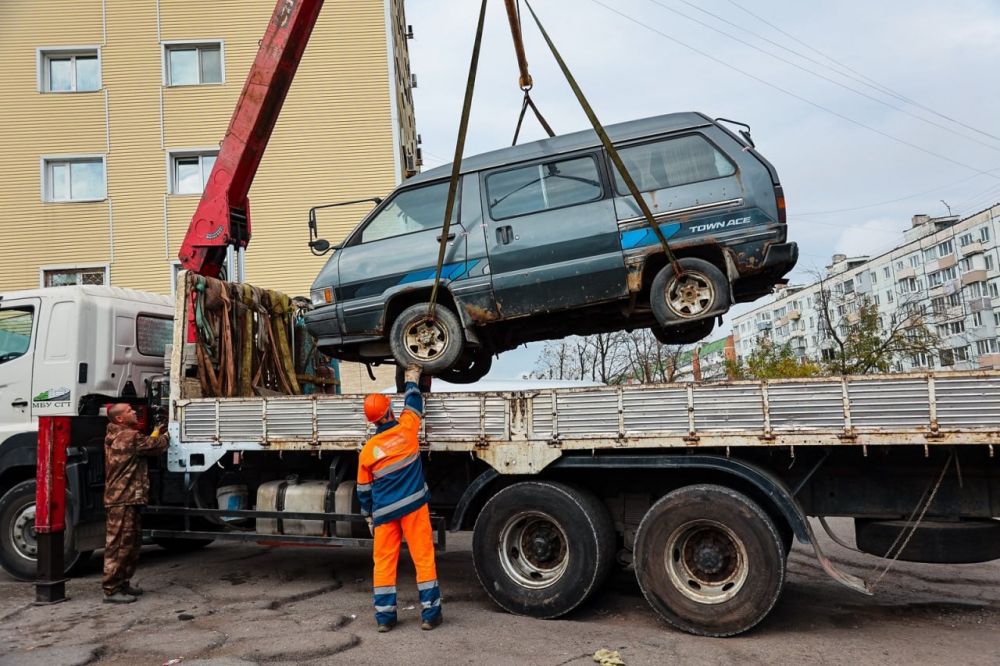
(700, 291)
(433, 344)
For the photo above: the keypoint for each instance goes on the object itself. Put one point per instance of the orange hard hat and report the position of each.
(377, 405)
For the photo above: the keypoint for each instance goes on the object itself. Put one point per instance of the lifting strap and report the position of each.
(608, 146)
(456, 165)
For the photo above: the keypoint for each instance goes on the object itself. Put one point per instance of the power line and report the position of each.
(886, 89)
(794, 95)
(813, 72)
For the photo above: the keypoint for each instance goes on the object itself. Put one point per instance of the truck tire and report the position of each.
(709, 560)
(18, 546)
(700, 292)
(936, 542)
(540, 548)
(434, 345)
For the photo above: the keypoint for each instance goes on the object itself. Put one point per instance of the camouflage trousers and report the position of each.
(123, 538)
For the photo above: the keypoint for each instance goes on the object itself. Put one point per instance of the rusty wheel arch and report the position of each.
(713, 254)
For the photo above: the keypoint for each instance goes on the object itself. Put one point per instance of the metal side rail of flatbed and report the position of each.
(523, 432)
(232, 533)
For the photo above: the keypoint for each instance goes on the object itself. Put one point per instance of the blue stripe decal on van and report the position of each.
(640, 237)
(448, 272)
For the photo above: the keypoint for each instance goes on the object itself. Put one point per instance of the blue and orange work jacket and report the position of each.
(390, 475)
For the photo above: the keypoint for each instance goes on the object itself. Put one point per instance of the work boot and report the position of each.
(383, 628)
(427, 625)
(119, 597)
(134, 591)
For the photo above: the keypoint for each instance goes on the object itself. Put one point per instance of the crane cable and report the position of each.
(525, 81)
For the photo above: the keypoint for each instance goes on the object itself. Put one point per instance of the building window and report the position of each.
(64, 70)
(977, 318)
(887, 271)
(920, 360)
(888, 296)
(951, 328)
(994, 290)
(965, 264)
(914, 260)
(984, 234)
(873, 277)
(73, 179)
(996, 319)
(961, 353)
(946, 357)
(193, 64)
(945, 248)
(963, 240)
(189, 171)
(61, 277)
(988, 258)
(988, 346)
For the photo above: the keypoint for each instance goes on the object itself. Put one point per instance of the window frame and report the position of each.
(602, 176)
(166, 46)
(44, 53)
(149, 315)
(357, 236)
(45, 163)
(175, 153)
(76, 268)
(625, 145)
(33, 311)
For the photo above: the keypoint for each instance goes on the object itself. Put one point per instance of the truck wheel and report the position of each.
(473, 366)
(702, 290)
(709, 560)
(434, 345)
(684, 335)
(18, 544)
(541, 548)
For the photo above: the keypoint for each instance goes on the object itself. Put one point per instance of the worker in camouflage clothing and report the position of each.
(126, 490)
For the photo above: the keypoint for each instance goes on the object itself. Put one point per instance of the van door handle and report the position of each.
(451, 237)
(505, 234)
(19, 403)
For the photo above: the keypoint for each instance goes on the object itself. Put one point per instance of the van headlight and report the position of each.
(322, 296)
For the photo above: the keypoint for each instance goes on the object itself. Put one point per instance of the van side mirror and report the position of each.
(319, 246)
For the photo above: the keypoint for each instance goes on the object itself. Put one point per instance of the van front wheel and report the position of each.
(701, 290)
(435, 344)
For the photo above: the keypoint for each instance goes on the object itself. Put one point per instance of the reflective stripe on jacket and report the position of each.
(390, 475)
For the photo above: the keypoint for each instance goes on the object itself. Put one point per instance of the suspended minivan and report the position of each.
(546, 242)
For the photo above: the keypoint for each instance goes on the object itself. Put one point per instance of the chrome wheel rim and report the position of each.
(706, 561)
(426, 340)
(690, 295)
(22, 533)
(534, 549)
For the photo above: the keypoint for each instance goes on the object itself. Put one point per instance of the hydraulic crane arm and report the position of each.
(223, 215)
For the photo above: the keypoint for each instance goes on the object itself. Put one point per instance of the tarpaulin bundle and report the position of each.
(244, 339)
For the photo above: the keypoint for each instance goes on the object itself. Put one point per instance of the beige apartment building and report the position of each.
(112, 116)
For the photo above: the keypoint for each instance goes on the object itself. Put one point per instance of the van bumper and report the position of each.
(780, 258)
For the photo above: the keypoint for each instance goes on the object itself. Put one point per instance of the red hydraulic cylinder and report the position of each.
(50, 507)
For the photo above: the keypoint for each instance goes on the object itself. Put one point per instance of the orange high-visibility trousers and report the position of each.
(415, 527)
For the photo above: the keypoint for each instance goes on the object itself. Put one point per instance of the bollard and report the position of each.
(50, 508)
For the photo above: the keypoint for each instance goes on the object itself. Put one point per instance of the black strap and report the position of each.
(457, 163)
(608, 146)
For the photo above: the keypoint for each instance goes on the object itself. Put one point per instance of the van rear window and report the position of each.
(544, 186)
(673, 162)
(153, 334)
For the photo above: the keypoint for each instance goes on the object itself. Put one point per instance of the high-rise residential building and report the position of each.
(945, 274)
(114, 110)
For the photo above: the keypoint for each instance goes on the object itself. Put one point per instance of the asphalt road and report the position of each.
(243, 604)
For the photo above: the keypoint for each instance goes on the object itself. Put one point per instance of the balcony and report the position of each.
(947, 261)
(987, 361)
(907, 272)
(975, 247)
(977, 275)
(793, 315)
(764, 326)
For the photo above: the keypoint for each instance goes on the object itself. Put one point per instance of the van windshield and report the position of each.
(673, 162)
(15, 333)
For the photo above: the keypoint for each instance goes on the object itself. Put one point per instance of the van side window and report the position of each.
(419, 209)
(15, 333)
(543, 187)
(685, 159)
(153, 334)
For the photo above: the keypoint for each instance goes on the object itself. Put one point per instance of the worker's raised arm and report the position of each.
(413, 401)
(152, 445)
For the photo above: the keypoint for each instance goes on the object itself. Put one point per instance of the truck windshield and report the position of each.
(15, 333)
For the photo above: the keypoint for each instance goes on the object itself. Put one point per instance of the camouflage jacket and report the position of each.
(126, 478)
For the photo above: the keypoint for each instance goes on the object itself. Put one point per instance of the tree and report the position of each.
(771, 361)
(857, 340)
(610, 358)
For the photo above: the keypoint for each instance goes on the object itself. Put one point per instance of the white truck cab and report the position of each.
(66, 351)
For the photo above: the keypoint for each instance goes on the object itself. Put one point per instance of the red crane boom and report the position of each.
(223, 215)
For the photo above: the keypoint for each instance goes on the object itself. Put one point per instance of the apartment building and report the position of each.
(945, 272)
(706, 361)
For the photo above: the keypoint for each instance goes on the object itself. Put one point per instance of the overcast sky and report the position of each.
(854, 167)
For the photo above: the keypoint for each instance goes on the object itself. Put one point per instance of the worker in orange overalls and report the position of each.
(394, 496)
